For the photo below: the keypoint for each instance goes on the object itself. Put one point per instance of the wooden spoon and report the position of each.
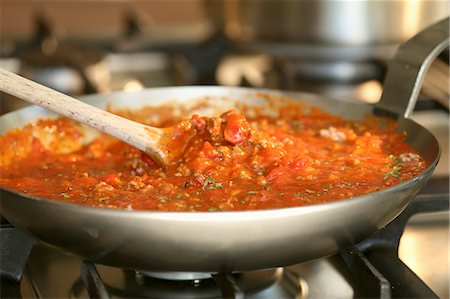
(163, 145)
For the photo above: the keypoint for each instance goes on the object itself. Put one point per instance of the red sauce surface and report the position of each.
(303, 156)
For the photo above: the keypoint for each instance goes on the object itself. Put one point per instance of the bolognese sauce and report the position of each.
(235, 161)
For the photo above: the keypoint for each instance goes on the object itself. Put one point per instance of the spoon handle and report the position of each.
(138, 135)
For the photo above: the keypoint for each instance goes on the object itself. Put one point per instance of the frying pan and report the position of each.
(235, 241)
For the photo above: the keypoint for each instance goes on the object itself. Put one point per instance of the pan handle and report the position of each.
(406, 71)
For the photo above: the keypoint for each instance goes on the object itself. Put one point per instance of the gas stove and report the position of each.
(406, 259)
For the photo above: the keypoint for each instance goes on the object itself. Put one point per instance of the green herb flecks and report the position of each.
(210, 183)
(309, 191)
(393, 173)
(212, 210)
(102, 199)
(252, 192)
(179, 195)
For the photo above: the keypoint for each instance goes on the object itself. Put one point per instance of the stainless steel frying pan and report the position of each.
(235, 241)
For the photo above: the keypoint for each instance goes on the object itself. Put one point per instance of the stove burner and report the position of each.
(102, 282)
(177, 276)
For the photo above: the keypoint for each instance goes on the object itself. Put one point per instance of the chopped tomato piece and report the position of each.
(237, 128)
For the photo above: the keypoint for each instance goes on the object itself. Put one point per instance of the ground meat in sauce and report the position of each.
(235, 162)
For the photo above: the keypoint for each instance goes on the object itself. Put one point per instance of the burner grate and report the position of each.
(382, 250)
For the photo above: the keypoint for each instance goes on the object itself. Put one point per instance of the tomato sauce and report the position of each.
(236, 161)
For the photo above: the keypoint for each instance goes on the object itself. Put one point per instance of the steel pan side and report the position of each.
(212, 242)
(207, 242)
(338, 24)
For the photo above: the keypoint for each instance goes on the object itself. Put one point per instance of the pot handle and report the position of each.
(406, 71)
